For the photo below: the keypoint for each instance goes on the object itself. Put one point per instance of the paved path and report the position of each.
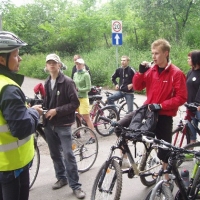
(132, 188)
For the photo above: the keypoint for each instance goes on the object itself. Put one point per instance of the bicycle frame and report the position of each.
(181, 127)
(184, 128)
(172, 169)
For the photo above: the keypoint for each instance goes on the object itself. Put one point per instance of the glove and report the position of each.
(154, 107)
(143, 68)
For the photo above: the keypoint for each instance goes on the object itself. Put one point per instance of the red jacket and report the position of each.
(167, 88)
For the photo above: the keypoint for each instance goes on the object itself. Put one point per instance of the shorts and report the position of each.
(84, 107)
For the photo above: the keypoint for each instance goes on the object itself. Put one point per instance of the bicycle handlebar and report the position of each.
(191, 105)
(146, 136)
(167, 146)
(137, 132)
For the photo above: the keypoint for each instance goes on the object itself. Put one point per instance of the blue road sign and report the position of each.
(116, 38)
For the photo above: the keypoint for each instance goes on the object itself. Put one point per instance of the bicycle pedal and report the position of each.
(131, 173)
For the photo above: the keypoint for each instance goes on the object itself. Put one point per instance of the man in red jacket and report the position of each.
(165, 88)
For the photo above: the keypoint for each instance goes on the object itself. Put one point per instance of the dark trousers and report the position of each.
(17, 189)
(163, 131)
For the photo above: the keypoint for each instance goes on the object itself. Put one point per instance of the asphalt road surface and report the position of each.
(132, 188)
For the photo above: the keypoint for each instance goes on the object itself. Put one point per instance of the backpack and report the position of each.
(144, 119)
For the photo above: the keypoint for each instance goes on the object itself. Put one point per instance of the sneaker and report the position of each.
(125, 163)
(79, 193)
(60, 183)
(189, 157)
(90, 141)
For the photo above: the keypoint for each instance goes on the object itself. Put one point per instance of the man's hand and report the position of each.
(50, 114)
(38, 108)
(130, 86)
(154, 107)
(117, 87)
(143, 67)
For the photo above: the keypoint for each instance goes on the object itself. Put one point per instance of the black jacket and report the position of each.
(64, 98)
(125, 76)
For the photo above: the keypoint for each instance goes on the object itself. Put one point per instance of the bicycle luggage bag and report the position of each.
(144, 119)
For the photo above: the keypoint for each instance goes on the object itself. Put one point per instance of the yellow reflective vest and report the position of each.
(14, 153)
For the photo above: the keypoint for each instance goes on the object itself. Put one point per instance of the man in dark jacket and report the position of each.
(125, 86)
(61, 101)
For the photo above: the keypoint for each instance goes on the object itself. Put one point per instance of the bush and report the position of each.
(103, 62)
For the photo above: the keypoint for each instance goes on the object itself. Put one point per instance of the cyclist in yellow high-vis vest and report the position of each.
(17, 123)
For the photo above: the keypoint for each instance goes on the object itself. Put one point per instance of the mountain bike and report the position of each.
(108, 181)
(164, 188)
(102, 127)
(121, 105)
(183, 131)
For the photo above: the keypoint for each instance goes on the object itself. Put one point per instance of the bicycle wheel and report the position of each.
(85, 150)
(123, 110)
(103, 127)
(162, 193)
(149, 163)
(108, 182)
(34, 168)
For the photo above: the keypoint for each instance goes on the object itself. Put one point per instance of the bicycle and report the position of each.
(85, 152)
(164, 188)
(108, 181)
(182, 129)
(121, 105)
(101, 126)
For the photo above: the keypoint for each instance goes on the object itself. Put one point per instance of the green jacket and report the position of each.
(83, 83)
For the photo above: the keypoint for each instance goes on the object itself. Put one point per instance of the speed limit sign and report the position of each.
(116, 26)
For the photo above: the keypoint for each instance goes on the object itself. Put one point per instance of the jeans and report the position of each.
(17, 189)
(60, 146)
(119, 94)
(195, 120)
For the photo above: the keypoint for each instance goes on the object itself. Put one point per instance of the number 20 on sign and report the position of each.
(116, 26)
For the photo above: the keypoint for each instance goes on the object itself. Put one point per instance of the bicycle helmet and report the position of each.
(9, 42)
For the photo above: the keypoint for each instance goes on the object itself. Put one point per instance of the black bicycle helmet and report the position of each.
(9, 42)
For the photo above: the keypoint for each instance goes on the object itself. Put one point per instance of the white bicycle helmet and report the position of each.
(9, 42)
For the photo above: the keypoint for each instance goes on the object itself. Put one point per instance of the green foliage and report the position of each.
(84, 27)
(103, 62)
(33, 66)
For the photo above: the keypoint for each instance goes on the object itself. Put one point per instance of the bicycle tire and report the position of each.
(162, 193)
(103, 127)
(149, 162)
(34, 168)
(111, 179)
(84, 151)
(123, 110)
